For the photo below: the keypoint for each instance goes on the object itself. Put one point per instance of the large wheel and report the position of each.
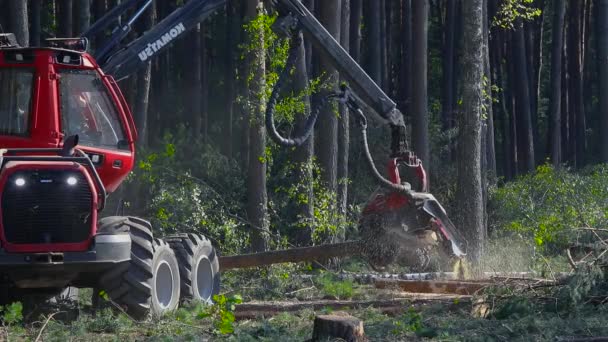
(166, 284)
(129, 284)
(199, 267)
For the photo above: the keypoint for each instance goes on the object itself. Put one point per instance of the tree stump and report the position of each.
(338, 325)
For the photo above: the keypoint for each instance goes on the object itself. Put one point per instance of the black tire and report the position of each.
(129, 285)
(166, 284)
(198, 266)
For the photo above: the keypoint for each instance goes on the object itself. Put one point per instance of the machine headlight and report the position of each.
(72, 181)
(20, 181)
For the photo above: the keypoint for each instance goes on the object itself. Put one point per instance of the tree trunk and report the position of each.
(233, 29)
(420, 119)
(194, 76)
(18, 23)
(35, 22)
(303, 156)
(84, 15)
(65, 18)
(356, 12)
(329, 15)
(601, 23)
(522, 90)
(406, 58)
(557, 45)
(449, 32)
(343, 128)
(575, 72)
(257, 198)
(338, 326)
(490, 148)
(470, 201)
(374, 41)
(144, 77)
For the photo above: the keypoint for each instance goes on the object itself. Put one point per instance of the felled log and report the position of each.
(391, 307)
(338, 325)
(318, 253)
(432, 286)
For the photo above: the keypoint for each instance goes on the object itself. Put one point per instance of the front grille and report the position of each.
(46, 206)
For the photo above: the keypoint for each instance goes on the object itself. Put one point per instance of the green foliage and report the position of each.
(181, 193)
(512, 10)
(12, 314)
(548, 208)
(221, 313)
(333, 287)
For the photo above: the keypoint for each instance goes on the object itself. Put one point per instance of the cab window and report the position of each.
(16, 89)
(87, 110)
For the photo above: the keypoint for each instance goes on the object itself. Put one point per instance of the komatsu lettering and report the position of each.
(166, 38)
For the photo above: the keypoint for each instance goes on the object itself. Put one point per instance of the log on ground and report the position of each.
(432, 286)
(315, 253)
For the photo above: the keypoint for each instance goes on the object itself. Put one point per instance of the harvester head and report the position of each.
(404, 228)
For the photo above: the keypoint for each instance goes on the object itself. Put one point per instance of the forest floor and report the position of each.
(389, 314)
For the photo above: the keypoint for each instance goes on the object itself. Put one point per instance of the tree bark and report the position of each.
(342, 327)
(303, 156)
(144, 78)
(343, 127)
(329, 15)
(469, 185)
(35, 22)
(356, 12)
(66, 18)
(522, 89)
(601, 22)
(18, 23)
(406, 57)
(374, 41)
(84, 15)
(420, 119)
(257, 198)
(490, 148)
(575, 72)
(557, 45)
(449, 31)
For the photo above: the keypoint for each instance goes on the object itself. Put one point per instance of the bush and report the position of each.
(551, 208)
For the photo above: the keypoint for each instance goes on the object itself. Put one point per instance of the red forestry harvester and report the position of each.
(67, 138)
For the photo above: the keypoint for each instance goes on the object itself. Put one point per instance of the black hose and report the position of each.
(274, 96)
(362, 121)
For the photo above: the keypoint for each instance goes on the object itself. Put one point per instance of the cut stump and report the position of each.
(338, 325)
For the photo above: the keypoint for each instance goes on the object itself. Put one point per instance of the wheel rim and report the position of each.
(164, 284)
(204, 279)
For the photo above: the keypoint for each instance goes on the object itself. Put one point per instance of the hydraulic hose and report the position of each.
(362, 121)
(274, 96)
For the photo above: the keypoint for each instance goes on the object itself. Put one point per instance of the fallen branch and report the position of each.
(45, 324)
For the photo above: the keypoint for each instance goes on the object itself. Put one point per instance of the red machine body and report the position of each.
(47, 95)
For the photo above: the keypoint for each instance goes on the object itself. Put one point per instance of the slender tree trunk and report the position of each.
(144, 79)
(575, 66)
(490, 148)
(420, 119)
(84, 15)
(522, 89)
(356, 12)
(196, 70)
(35, 22)
(329, 15)
(66, 18)
(601, 23)
(18, 23)
(469, 172)
(375, 41)
(406, 57)
(303, 156)
(449, 32)
(233, 28)
(557, 45)
(257, 198)
(343, 127)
